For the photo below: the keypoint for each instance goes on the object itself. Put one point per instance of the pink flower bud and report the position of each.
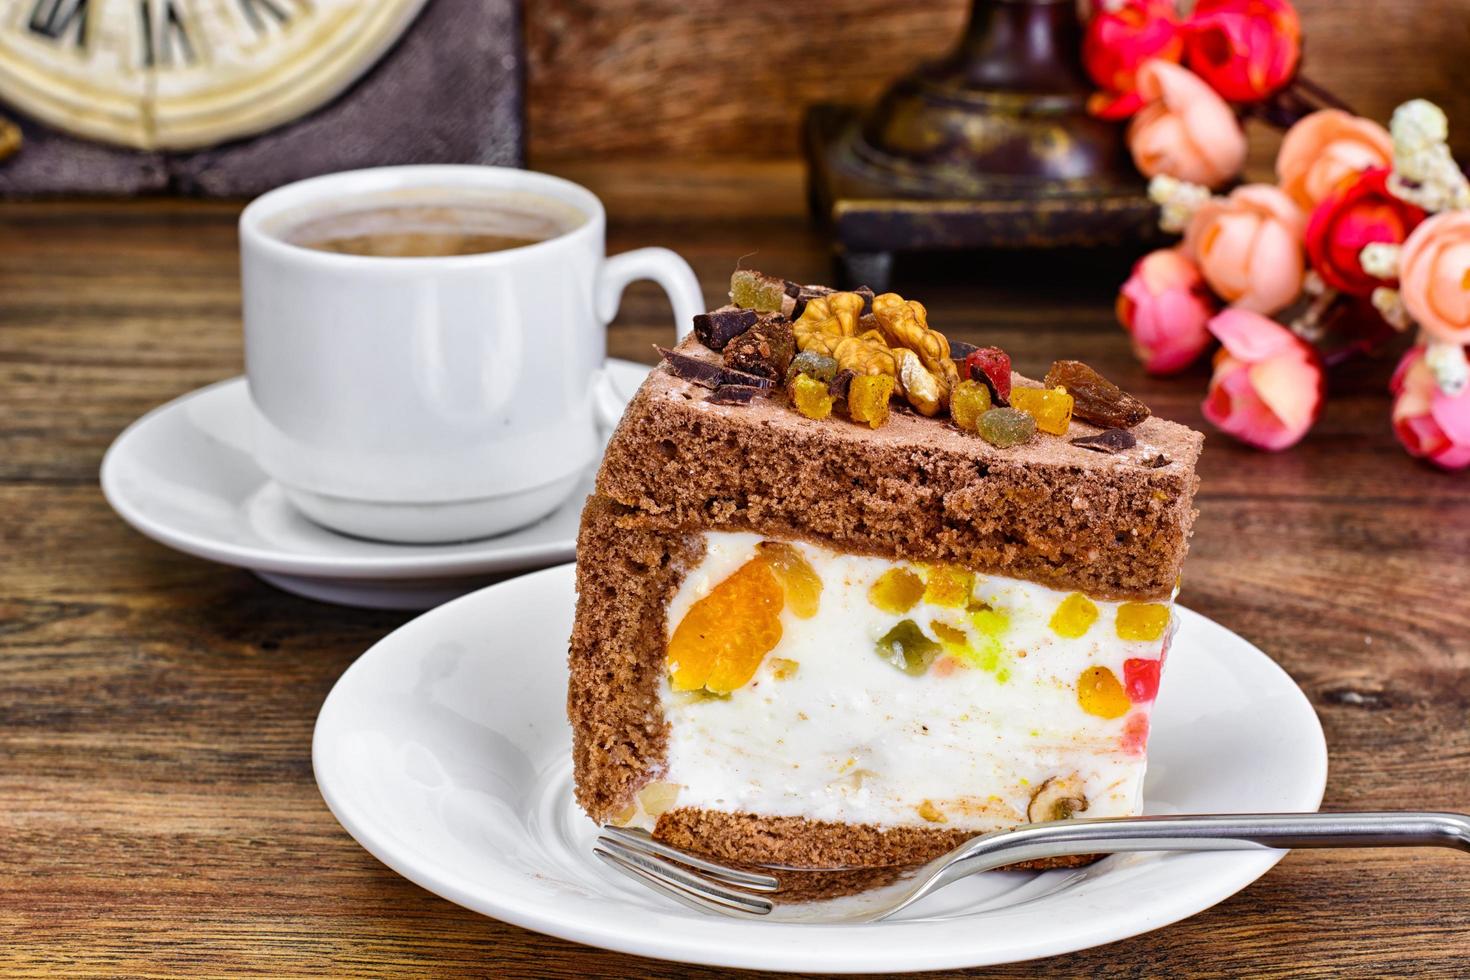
(1430, 424)
(1327, 148)
(1185, 129)
(1245, 49)
(1434, 276)
(1268, 386)
(1164, 306)
(1249, 247)
(1120, 38)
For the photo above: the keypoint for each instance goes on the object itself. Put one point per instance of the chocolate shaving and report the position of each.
(959, 349)
(1107, 441)
(766, 349)
(839, 385)
(706, 373)
(718, 328)
(804, 294)
(736, 394)
(997, 400)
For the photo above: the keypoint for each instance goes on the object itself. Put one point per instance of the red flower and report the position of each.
(1245, 49)
(1120, 38)
(1357, 214)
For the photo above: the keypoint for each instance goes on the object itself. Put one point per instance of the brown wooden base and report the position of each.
(875, 206)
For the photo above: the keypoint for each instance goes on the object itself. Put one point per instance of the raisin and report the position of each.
(721, 640)
(1006, 427)
(1098, 400)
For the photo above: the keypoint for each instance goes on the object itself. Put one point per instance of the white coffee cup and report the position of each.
(439, 398)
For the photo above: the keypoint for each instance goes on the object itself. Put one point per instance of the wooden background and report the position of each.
(711, 79)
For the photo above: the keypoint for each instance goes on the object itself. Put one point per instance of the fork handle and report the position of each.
(1230, 832)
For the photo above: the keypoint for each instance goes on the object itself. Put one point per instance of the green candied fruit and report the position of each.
(813, 365)
(907, 648)
(756, 291)
(1006, 427)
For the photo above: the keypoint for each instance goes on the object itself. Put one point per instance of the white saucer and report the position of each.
(183, 475)
(445, 751)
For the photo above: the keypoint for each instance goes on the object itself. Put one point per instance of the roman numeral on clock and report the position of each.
(165, 34)
(53, 18)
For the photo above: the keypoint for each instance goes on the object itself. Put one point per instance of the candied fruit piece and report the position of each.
(802, 584)
(624, 816)
(1100, 694)
(753, 290)
(907, 648)
(1006, 427)
(1074, 617)
(813, 365)
(950, 635)
(1098, 400)
(896, 591)
(932, 813)
(723, 637)
(969, 401)
(810, 397)
(783, 669)
(658, 798)
(949, 585)
(991, 366)
(1141, 679)
(1050, 407)
(867, 399)
(1134, 739)
(1142, 620)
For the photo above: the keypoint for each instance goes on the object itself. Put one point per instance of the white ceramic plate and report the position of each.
(445, 751)
(184, 476)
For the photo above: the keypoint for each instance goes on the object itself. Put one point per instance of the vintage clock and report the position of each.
(167, 79)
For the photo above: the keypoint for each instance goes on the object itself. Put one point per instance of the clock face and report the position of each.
(183, 74)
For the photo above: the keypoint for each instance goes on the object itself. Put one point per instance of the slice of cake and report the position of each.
(847, 598)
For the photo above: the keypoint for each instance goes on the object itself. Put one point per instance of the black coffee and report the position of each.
(408, 230)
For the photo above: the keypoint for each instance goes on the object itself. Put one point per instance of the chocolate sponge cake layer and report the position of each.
(918, 489)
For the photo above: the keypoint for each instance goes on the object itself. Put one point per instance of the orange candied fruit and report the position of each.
(721, 640)
(897, 591)
(949, 585)
(950, 635)
(867, 399)
(1142, 620)
(1074, 617)
(802, 583)
(1100, 693)
(811, 397)
(1050, 407)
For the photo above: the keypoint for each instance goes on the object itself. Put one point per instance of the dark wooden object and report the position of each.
(157, 808)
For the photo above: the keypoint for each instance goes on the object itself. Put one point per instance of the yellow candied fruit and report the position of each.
(1074, 617)
(721, 640)
(1050, 407)
(949, 585)
(624, 816)
(810, 397)
(969, 401)
(932, 813)
(897, 591)
(1142, 620)
(783, 669)
(1100, 694)
(950, 635)
(658, 798)
(867, 399)
(802, 583)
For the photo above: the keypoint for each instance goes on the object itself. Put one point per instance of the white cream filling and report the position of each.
(848, 737)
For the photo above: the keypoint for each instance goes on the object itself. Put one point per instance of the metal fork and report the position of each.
(711, 887)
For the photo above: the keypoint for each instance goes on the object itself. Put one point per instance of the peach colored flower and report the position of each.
(1326, 148)
(1185, 129)
(1430, 424)
(1434, 276)
(1249, 247)
(1164, 306)
(1268, 386)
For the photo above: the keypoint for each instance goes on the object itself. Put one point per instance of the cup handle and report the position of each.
(670, 271)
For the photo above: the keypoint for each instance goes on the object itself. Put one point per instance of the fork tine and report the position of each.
(669, 877)
(641, 841)
(668, 888)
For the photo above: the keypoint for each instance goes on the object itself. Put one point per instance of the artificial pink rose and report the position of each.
(1429, 423)
(1164, 306)
(1244, 49)
(1327, 148)
(1249, 247)
(1185, 129)
(1121, 37)
(1434, 276)
(1268, 385)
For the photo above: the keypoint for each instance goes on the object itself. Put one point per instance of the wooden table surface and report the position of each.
(157, 809)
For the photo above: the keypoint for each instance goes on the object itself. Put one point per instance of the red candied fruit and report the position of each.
(994, 365)
(1134, 739)
(1141, 679)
